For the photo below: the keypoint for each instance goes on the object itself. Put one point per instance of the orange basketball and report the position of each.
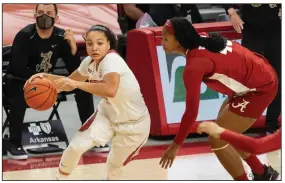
(40, 94)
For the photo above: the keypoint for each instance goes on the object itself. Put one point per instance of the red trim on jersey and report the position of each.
(89, 121)
(132, 155)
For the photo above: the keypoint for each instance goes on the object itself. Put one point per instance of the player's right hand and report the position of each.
(237, 22)
(65, 84)
(169, 156)
(38, 75)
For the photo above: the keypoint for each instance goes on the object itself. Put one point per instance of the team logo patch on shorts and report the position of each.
(242, 105)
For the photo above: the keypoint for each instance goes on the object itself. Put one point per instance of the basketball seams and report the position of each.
(53, 93)
(54, 96)
(35, 85)
(25, 92)
(54, 99)
(37, 94)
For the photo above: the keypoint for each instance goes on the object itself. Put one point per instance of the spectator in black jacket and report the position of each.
(260, 25)
(36, 48)
(132, 13)
(128, 15)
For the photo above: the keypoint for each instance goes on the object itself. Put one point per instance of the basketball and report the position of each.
(40, 94)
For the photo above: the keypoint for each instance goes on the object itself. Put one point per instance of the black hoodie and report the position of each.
(259, 15)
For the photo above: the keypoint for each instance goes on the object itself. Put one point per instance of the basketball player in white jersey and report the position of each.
(122, 116)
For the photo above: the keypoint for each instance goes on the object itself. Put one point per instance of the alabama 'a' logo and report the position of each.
(242, 105)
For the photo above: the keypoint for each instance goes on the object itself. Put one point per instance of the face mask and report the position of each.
(45, 21)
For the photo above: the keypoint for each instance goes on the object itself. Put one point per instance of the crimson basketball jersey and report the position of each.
(236, 69)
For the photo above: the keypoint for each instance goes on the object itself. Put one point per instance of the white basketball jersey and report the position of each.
(128, 104)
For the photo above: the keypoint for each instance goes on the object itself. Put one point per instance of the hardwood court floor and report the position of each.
(195, 161)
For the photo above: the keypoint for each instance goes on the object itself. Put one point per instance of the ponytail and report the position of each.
(188, 37)
(214, 43)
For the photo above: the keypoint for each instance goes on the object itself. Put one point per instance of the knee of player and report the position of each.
(75, 148)
(216, 143)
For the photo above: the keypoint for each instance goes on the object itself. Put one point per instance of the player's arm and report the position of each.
(108, 88)
(192, 81)
(245, 143)
(192, 77)
(112, 68)
(20, 59)
(111, 71)
(252, 145)
(74, 76)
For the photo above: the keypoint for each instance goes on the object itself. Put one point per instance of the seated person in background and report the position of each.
(160, 13)
(129, 14)
(36, 48)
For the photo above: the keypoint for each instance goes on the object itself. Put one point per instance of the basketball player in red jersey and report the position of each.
(226, 67)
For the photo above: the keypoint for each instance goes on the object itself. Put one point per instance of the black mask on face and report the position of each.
(45, 22)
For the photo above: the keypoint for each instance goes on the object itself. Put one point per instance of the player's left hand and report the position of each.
(38, 75)
(69, 37)
(65, 84)
(169, 156)
(210, 128)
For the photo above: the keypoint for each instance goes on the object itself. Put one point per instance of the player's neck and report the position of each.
(181, 51)
(97, 62)
(44, 34)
